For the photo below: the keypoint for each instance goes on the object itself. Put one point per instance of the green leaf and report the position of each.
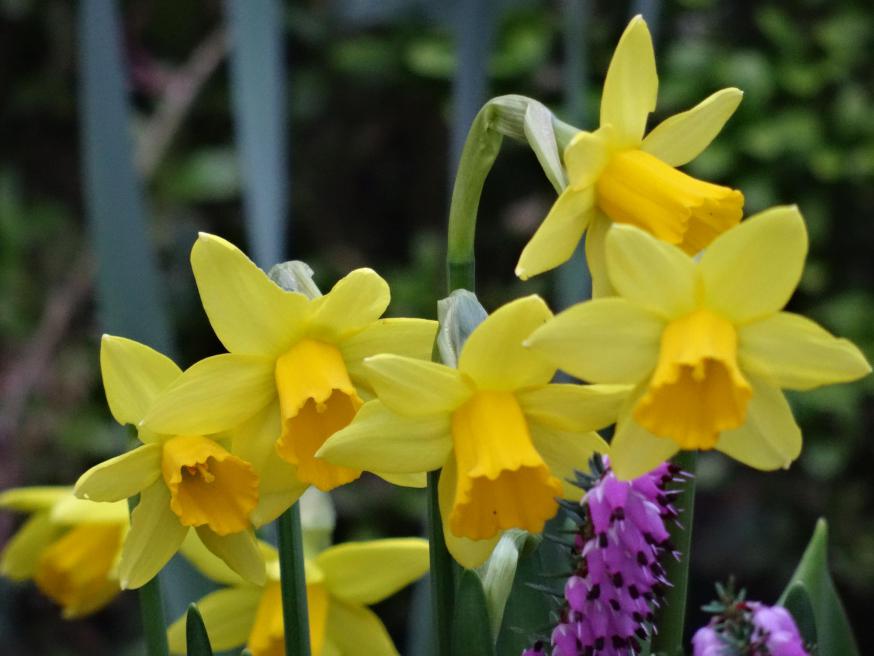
(798, 603)
(832, 627)
(197, 642)
(471, 635)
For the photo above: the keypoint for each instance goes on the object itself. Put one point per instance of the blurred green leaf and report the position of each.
(197, 641)
(834, 633)
(470, 623)
(798, 603)
(207, 175)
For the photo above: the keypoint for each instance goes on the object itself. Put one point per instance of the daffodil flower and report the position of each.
(341, 582)
(294, 373)
(705, 343)
(617, 175)
(70, 548)
(185, 480)
(506, 439)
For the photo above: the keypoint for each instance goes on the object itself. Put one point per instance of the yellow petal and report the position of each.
(381, 440)
(419, 479)
(682, 137)
(133, 376)
(123, 476)
(368, 572)
(240, 551)
(248, 312)
(254, 440)
(585, 156)
(416, 388)
(468, 553)
(206, 562)
(213, 395)
(565, 453)
(793, 352)
(494, 357)
(353, 303)
(31, 499)
(357, 630)
(413, 338)
(608, 340)
(632, 84)
(22, 552)
(267, 636)
(573, 407)
(557, 237)
(71, 510)
(596, 255)
(318, 607)
(634, 451)
(280, 488)
(155, 535)
(770, 438)
(227, 614)
(751, 271)
(650, 273)
(208, 486)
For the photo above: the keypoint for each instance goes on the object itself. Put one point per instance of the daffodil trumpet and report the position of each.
(705, 344)
(504, 437)
(617, 174)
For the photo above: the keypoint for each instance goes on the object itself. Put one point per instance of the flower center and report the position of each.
(74, 570)
(267, 637)
(697, 390)
(640, 189)
(502, 481)
(208, 485)
(316, 399)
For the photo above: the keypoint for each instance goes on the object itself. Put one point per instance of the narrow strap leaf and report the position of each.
(197, 641)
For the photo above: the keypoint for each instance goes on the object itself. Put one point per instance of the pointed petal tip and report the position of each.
(521, 273)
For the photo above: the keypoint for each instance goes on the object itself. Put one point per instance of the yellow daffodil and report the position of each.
(507, 440)
(340, 582)
(70, 548)
(185, 479)
(294, 374)
(617, 175)
(705, 343)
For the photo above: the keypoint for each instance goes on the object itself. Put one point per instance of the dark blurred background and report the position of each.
(375, 96)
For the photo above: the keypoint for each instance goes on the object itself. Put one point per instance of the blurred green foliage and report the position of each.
(368, 98)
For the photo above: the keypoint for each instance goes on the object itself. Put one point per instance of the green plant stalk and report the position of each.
(442, 579)
(671, 617)
(152, 610)
(293, 583)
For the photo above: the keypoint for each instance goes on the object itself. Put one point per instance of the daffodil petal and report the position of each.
(71, 510)
(557, 237)
(240, 552)
(494, 357)
(649, 272)
(122, 476)
(280, 488)
(573, 407)
(206, 562)
(357, 630)
(155, 535)
(213, 395)
(254, 440)
(22, 552)
(634, 451)
(228, 616)
(632, 84)
(468, 553)
(381, 440)
(32, 499)
(770, 438)
(682, 137)
(751, 270)
(414, 387)
(796, 353)
(356, 301)
(413, 338)
(249, 313)
(596, 255)
(418, 479)
(368, 572)
(133, 376)
(608, 340)
(566, 452)
(585, 157)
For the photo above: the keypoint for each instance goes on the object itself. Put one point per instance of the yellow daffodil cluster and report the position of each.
(685, 347)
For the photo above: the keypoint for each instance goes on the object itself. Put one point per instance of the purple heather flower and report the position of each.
(706, 642)
(618, 555)
(777, 630)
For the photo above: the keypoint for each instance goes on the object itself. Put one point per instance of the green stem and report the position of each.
(152, 610)
(293, 583)
(671, 617)
(442, 581)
